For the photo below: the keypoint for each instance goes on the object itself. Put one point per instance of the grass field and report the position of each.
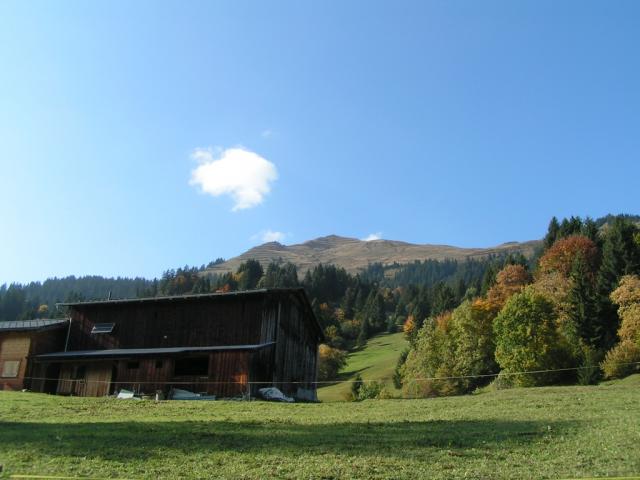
(376, 361)
(555, 432)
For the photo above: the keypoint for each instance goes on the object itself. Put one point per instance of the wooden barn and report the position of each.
(222, 344)
(20, 341)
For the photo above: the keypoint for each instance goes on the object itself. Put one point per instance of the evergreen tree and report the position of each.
(249, 274)
(348, 303)
(620, 256)
(583, 307)
(355, 387)
(364, 332)
(488, 279)
(552, 233)
(443, 299)
(13, 303)
(461, 289)
(360, 301)
(374, 312)
(279, 276)
(569, 226)
(590, 230)
(421, 307)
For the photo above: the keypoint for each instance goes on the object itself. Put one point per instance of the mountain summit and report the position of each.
(355, 255)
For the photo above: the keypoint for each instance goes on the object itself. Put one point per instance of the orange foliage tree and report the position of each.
(510, 280)
(562, 255)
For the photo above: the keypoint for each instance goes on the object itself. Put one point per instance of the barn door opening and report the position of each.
(51, 375)
(114, 378)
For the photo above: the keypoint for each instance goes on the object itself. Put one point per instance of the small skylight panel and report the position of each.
(102, 328)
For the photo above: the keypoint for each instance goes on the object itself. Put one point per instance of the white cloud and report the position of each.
(269, 236)
(372, 236)
(268, 133)
(240, 173)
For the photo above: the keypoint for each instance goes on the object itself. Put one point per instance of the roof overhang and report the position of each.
(182, 298)
(36, 325)
(145, 352)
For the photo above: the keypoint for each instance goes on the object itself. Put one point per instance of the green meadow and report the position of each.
(552, 432)
(375, 361)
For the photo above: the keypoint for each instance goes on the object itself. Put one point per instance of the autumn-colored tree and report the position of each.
(330, 361)
(409, 327)
(560, 257)
(350, 329)
(333, 336)
(622, 360)
(432, 357)
(458, 345)
(627, 296)
(510, 280)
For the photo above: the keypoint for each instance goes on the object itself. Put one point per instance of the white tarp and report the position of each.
(126, 394)
(179, 394)
(272, 393)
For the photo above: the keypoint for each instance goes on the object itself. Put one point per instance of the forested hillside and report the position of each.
(573, 304)
(573, 317)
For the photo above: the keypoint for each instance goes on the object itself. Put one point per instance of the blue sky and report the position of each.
(138, 137)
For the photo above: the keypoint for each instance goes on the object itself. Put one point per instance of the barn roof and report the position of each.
(26, 325)
(145, 352)
(193, 296)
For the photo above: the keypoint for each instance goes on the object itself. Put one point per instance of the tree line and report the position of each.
(574, 316)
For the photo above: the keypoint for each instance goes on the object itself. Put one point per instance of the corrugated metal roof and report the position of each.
(37, 324)
(140, 352)
(185, 297)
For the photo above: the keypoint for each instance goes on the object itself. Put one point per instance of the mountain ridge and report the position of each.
(355, 255)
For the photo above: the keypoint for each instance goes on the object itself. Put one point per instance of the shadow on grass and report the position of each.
(139, 440)
(343, 376)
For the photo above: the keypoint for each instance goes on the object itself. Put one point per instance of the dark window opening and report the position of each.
(133, 365)
(197, 366)
(79, 372)
(159, 364)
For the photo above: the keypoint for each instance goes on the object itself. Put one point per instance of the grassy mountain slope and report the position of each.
(376, 361)
(354, 255)
(551, 432)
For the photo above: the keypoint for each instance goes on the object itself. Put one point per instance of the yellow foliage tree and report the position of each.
(622, 360)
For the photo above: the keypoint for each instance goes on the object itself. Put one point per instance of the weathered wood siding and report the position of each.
(179, 323)
(67, 384)
(228, 376)
(296, 350)
(281, 317)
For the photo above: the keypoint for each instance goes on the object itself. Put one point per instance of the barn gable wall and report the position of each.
(194, 323)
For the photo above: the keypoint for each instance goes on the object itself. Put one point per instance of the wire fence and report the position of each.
(328, 382)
